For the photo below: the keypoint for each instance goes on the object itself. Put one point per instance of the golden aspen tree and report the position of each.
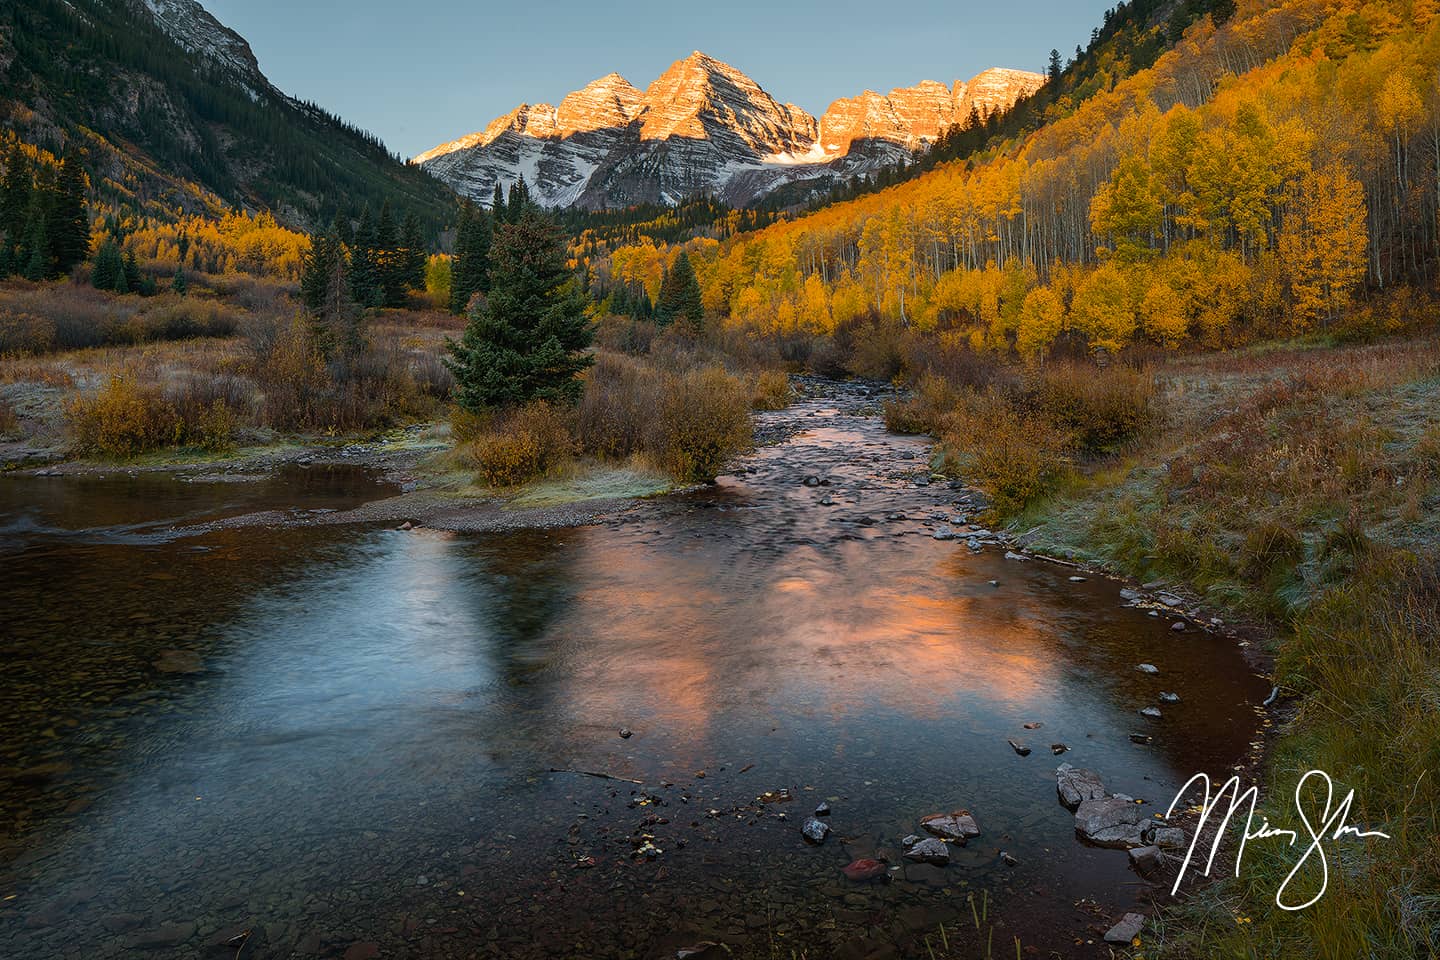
(1322, 244)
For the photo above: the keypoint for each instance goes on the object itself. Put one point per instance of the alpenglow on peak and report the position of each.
(704, 126)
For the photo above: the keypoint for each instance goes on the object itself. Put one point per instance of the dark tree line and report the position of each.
(44, 223)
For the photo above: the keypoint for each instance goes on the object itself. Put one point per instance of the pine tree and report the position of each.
(389, 263)
(413, 252)
(497, 204)
(15, 194)
(69, 226)
(1056, 68)
(470, 272)
(109, 270)
(680, 294)
(519, 201)
(364, 273)
(178, 283)
(528, 341)
(130, 270)
(325, 290)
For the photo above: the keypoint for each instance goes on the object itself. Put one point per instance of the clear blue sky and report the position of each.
(422, 72)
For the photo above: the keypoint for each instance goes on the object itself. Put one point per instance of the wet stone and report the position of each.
(1075, 785)
(959, 826)
(815, 831)
(1110, 823)
(929, 850)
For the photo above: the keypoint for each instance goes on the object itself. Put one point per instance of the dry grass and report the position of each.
(518, 446)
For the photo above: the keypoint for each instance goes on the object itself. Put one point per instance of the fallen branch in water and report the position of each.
(592, 773)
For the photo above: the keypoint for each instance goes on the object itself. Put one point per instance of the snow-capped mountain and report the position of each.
(705, 127)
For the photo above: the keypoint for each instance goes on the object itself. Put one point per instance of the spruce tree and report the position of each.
(109, 267)
(528, 341)
(178, 283)
(389, 263)
(364, 273)
(680, 294)
(325, 291)
(1055, 69)
(130, 270)
(15, 194)
(69, 226)
(412, 252)
(497, 204)
(470, 271)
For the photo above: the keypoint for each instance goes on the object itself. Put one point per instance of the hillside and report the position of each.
(1248, 184)
(175, 115)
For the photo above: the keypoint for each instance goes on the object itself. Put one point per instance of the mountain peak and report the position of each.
(705, 126)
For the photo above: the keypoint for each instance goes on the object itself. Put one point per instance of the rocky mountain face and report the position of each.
(705, 127)
(172, 112)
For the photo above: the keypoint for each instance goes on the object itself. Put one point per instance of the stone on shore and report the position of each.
(959, 826)
(1127, 929)
(929, 850)
(1113, 823)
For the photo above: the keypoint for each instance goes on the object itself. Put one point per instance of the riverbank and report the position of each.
(1296, 492)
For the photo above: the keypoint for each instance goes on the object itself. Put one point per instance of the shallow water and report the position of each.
(362, 742)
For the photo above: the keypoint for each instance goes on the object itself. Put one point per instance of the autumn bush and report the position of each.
(925, 408)
(994, 444)
(770, 390)
(1096, 407)
(704, 420)
(616, 417)
(520, 445)
(126, 418)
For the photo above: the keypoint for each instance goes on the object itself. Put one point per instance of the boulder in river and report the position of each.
(1169, 697)
(1110, 823)
(864, 870)
(929, 850)
(1167, 838)
(822, 809)
(1126, 929)
(959, 826)
(1076, 785)
(815, 831)
(1148, 668)
(1152, 712)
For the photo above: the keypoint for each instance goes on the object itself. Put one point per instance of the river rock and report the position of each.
(959, 826)
(1169, 697)
(1076, 785)
(1178, 626)
(1141, 738)
(1148, 668)
(944, 533)
(812, 481)
(1152, 712)
(1019, 748)
(1130, 595)
(1146, 860)
(1012, 555)
(864, 870)
(815, 831)
(1110, 823)
(822, 809)
(1167, 838)
(929, 850)
(1058, 748)
(1127, 929)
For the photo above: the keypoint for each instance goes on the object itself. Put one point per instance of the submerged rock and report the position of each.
(929, 850)
(1019, 748)
(822, 809)
(1169, 698)
(1110, 823)
(959, 826)
(1075, 785)
(864, 870)
(815, 831)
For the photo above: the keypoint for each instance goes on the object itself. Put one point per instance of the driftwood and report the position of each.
(592, 773)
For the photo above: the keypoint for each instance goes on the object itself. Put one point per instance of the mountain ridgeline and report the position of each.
(174, 115)
(705, 128)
